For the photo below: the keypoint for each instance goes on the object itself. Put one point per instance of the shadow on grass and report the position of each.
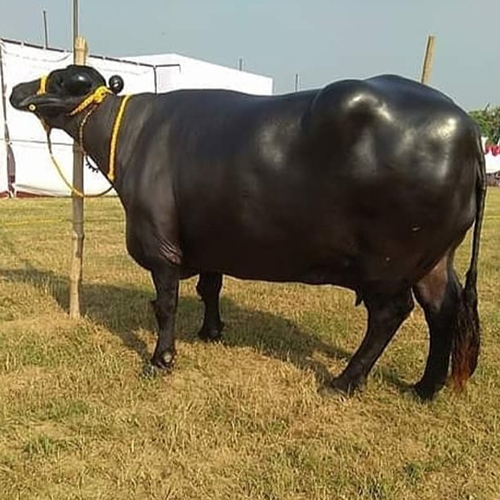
(124, 311)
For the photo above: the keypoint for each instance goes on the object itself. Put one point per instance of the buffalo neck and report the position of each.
(97, 131)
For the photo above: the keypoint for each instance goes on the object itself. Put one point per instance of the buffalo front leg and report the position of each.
(208, 288)
(385, 315)
(166, 280)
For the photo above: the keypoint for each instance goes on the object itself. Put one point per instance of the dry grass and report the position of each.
(243, 420)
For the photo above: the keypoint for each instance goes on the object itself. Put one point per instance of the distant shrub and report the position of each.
(489, 121)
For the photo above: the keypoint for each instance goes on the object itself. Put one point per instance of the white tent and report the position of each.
(29, 165)
(179, 72)
(492, 158)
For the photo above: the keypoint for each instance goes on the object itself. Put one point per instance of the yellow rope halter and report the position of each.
(96, 98)
(99, 94)
(114, 138)
(73, 189)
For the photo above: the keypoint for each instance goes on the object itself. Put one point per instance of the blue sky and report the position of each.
(322, 40)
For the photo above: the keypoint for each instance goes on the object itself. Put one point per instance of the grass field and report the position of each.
(247, 419)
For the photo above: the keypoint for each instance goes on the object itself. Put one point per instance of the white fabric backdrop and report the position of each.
(3, 166)
(3, 155)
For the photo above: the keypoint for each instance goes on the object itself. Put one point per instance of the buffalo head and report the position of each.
(54, 97)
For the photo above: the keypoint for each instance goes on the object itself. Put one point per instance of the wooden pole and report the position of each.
(80, 55)
(428, 59)
(75, 22)
(45, 30)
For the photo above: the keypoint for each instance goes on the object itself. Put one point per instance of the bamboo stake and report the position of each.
(428, 59)
(78, 235)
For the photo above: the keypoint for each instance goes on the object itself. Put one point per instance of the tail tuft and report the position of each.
(466, 341)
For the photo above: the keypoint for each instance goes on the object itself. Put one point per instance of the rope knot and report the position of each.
(99, 94)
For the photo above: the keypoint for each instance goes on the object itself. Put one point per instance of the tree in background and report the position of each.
(489, 121)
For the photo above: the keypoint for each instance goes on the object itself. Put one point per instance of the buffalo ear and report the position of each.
(116, 84)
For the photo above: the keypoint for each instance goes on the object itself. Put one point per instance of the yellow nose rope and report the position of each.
(96, 98)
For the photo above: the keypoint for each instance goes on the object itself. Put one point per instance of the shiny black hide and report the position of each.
(370, 185)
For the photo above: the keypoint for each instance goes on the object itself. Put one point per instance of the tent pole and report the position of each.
(11, 167)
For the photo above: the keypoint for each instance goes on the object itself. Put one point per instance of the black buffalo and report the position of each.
(369, 185)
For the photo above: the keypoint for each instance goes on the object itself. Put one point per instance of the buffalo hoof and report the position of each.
(424, 391)
(211, 334)
(163, 361)
(346, 386)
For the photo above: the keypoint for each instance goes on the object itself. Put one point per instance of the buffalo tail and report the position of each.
(466, 340)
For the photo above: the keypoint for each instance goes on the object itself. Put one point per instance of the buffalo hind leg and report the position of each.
(166, 280)
(385, 315)
(439, 295)
(208, 288)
